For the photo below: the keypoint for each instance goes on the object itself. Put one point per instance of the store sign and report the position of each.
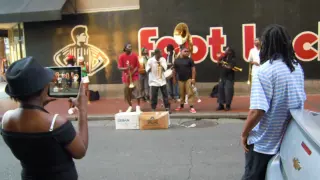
(95, 57)
(216, 41)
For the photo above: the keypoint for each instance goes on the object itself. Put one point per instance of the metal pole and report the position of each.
(20, 40)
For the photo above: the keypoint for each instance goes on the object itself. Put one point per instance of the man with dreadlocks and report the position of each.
(129, 64)
(277, 87)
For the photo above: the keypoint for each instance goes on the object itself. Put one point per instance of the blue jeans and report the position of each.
(144, 86)
(173, 90)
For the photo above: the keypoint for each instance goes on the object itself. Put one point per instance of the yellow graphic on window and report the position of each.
(95, 57)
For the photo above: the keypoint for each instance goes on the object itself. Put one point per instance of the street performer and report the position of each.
(4, 67)
(128, 63)
(226, 81)
(172, 89)
(143, 75)
(156, 67)
(254, 58)
(186, 70)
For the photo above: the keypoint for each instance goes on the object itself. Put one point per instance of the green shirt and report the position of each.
(84, 71)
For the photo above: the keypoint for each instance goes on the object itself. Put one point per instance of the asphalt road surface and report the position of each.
(205, 152)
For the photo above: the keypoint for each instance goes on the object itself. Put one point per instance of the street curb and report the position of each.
(216, 115)
(231, 115)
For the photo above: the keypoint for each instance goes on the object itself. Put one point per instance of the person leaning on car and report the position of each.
(277, 87)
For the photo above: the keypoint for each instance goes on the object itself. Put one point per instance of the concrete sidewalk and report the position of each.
(106, 108)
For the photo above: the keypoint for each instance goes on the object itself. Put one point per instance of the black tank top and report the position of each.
(43, 155)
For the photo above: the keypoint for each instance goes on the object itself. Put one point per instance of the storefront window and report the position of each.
(16, 43)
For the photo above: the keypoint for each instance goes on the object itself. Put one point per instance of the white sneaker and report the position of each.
(186, 102)
(129, 109)
(199, 100)
(71, 111)
(138, 109)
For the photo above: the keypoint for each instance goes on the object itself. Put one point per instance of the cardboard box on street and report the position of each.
(127, 120)
(154, 120)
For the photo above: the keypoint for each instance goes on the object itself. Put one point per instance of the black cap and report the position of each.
(26, 76)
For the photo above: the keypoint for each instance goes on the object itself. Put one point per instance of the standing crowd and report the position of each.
(143, 78)
(174, 75)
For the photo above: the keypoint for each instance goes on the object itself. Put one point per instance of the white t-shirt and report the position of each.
(254, 57)
(59, 80)
(154, 78)
(75, 78)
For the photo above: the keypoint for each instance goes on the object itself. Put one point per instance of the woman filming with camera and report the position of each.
(44, 143)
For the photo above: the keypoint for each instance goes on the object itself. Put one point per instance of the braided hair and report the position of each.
(232, 52)
(229, 54)
(276, 43)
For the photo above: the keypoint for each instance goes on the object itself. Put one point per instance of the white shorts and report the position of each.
(85, 79)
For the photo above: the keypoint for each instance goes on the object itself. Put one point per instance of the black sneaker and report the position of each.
(220, 107)
(227, 108)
